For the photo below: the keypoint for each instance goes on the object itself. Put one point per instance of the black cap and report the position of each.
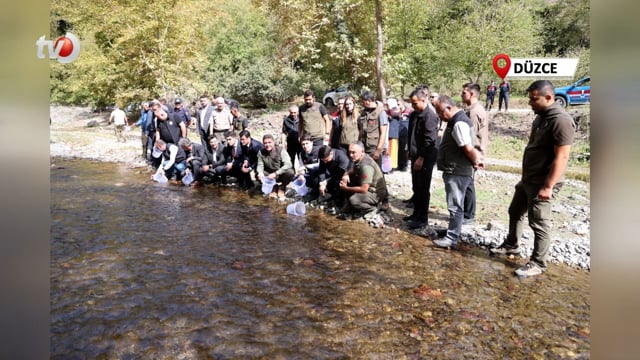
(178, 101)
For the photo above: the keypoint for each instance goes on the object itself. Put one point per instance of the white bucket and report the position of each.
(267, 185)
(300, 186)
(188, 178)
(386, 164)
(156, 153)
(297, 208)
(159, 177)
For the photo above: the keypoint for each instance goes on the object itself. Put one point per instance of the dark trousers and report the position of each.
(403, 155)
(285, 178)
(503, 97)
(317, 143)
(470, 202)
(489, 103)
(196, 169)
(525, 201)
(421, 182)
(293, 148)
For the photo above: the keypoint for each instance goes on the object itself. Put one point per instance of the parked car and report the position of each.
(332, 96)
(577, 93)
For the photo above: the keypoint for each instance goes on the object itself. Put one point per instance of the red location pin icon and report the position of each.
(502, 71)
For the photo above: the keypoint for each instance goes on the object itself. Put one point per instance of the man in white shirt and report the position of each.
(119, 119)
(457, 159)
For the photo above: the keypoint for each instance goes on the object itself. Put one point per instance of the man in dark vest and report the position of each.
(366, 187)
(314, 120)
(274, 162)
(172, 159)
(373, 125)
(457, 159)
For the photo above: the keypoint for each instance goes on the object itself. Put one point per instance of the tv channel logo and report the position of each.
(524, 68)
(65, 49)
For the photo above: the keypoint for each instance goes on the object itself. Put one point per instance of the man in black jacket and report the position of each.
(196, 157)
(423, 131)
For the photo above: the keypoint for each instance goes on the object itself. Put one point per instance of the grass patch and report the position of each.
(506, 147)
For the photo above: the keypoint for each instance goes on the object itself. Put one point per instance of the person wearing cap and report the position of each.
(181, 111)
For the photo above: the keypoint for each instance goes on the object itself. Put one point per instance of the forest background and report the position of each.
(262, 52)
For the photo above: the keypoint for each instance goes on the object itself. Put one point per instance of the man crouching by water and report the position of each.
(172, 159)
(366, 184)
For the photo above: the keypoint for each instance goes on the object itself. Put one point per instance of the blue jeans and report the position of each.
(455, 187)
(177, 169)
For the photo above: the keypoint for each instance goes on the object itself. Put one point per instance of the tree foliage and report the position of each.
(262, 51)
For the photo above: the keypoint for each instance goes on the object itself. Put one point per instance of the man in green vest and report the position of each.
(373, 125)
(366, 187)
(314, 121)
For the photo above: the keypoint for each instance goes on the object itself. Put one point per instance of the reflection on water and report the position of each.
(142, 270)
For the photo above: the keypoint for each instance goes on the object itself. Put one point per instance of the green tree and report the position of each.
(131, 49)
(445, 43)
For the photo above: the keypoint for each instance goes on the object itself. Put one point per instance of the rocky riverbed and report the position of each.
(77, 132)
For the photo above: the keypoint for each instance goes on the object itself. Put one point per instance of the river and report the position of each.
(144, 270)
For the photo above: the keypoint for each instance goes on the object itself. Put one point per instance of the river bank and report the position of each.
(71, 137)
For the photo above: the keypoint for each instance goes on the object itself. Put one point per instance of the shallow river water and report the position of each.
(141, 270)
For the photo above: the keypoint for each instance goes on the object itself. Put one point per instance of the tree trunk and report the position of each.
(382, 92)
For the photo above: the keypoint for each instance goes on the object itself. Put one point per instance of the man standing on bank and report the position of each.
(314, 121)
(423, 132)
(543, 165)
(457, 159)
(480, 121)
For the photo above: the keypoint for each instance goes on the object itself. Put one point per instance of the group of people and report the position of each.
(503, 97)
(340, 156)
